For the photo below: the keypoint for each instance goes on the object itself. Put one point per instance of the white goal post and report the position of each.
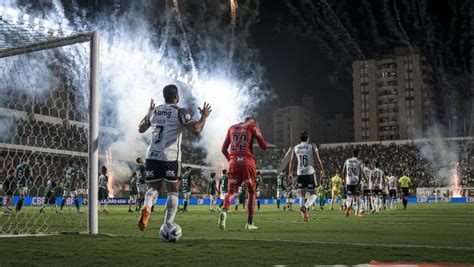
(18, 39)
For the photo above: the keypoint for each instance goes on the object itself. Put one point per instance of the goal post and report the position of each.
(49, 114)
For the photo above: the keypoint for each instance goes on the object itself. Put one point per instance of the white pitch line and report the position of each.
(309, 242)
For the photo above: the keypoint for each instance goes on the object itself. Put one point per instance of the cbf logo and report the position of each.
(170, 173)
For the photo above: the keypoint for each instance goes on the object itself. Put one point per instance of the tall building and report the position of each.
(390, 96)
(289, 122)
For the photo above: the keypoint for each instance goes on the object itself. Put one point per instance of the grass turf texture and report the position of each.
(438, 232)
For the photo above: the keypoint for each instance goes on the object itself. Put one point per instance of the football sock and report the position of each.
(250, 219)
(310, 200)
(250, 201)
(185, 205)
(63, 202)
(302, 201)
(76, 202)
(171, 207)
(258, 204)
(228, 198)
(278, 203)
(19, 204)
(149, 196)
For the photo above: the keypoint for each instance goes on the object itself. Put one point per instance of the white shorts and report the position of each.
(24, 190)
(70, 193)
(186, 195)
(133, 197)
(223, 194)
(279, 194)
(257, 194)
(142, 188)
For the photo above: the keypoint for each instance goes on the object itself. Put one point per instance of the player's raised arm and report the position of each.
(225, 146)
(145, 123)
(197, 126)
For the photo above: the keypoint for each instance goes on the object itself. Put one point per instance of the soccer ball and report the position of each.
(170, 233)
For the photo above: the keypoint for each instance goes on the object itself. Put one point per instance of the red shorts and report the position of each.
(239, 173)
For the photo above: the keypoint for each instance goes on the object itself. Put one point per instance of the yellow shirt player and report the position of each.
(336, 182)
(405, 184)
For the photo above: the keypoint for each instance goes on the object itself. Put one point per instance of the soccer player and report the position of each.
(7, 186)
(392, 191)
(224, 186)
(366, 187)
(321, 192)
(103, 190)
(280, 187)
(377, 183)
(241, 197)
(352, 171)
(70, 186)
(212, 191)
(289, 198)
(258, 181)
(133, 193)
(142, 187)
(23, 174)
(405, 185)
(305, 155)
(164, 152)
(50, 196)
(336, 183)
(242, 167)
(186, 187)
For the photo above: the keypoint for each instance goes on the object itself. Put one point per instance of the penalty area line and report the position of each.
(358, 244)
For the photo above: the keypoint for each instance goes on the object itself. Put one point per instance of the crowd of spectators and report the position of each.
(399, 159)
(37, 133)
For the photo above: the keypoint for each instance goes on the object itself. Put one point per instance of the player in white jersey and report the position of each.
(353, 174)
(377, 183)
(167, 122)
(306, 154)
(366, 190)
(392, 191)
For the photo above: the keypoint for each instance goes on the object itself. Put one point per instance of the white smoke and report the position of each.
(138, 50)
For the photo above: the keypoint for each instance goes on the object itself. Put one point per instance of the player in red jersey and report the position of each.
(242, 167)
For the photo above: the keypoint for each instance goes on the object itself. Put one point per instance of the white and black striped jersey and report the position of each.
(392, 183)
(352, 167)
(167, 123)
(368, 173)
(305, 155)
(377, 182)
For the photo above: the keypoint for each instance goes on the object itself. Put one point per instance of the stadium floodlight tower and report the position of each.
(49, 117)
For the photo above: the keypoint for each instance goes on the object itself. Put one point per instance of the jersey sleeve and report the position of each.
(184, 116)
(315, 147)
(258, 135)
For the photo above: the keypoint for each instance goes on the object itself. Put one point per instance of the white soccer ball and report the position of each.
(170, 233)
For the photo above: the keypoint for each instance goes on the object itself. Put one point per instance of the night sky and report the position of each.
(306, 46)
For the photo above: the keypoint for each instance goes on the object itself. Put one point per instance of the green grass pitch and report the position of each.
(438, 232)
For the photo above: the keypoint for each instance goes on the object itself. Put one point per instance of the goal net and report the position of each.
(48, 114)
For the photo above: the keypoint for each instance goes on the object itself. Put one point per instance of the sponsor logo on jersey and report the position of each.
(170, 173)
(166, 113)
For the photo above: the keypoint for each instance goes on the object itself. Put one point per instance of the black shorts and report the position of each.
(353, 190)
(367, 192)
(392, 193)
(157, 170)
(50, 198)
(306, 181)
(405, 191)
(103, 193)
(376, 192)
